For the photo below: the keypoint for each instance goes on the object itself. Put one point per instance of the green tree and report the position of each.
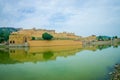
(100, 38)
(47, 36)
(33, 38)
(115, 37)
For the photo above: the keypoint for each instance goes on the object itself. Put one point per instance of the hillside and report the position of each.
(5, 32)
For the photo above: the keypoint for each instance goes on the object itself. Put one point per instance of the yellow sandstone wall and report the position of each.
(54, 43)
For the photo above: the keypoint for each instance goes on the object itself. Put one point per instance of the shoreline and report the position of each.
(115, 74)
(111, 42)
(63, 43)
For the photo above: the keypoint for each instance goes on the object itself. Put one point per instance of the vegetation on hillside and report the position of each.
(106, 38)
(103, 38)
(114, 37)
(5, 32)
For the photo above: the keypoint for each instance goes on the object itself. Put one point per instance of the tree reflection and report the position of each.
(101, 47)
(47, 55)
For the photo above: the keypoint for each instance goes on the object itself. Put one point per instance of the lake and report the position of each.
(58, 62)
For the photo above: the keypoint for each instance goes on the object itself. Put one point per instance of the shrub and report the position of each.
(47, 36)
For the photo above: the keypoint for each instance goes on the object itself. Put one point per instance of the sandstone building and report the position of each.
(24, 35)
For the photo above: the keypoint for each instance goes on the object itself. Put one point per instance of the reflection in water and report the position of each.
(101, 47)
(35, 54)
(48, 54)
(58, 62)
(4, 56)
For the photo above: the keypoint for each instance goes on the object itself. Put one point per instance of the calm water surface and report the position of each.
(91, 63)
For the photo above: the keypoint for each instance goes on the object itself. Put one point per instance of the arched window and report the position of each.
(13, 42)
(10, 42)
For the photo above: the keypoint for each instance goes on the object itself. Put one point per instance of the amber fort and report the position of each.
(23, 37)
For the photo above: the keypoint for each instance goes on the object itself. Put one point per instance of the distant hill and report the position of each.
(5, 32)
(9, 29)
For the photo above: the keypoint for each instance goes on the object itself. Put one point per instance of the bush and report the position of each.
(47, 36)
(33, 38)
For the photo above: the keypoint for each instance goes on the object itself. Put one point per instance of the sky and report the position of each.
(82, 17)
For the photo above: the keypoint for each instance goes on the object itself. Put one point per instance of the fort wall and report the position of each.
(54, 43)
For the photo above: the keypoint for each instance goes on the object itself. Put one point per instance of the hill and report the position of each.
(5, 32)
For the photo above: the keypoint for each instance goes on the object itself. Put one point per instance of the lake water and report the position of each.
(58, 63)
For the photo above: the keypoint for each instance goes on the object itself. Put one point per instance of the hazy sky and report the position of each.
(83, 17)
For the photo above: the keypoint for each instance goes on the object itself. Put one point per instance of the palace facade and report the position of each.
(22, 36)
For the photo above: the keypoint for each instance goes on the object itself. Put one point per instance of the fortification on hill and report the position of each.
(23, 37)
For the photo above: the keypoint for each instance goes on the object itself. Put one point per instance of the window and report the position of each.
(13, 42)
(10, 42)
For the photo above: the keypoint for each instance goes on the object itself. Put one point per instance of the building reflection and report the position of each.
(39, 54)
(35, 54)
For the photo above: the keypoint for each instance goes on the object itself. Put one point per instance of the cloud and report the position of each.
(83, 17)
